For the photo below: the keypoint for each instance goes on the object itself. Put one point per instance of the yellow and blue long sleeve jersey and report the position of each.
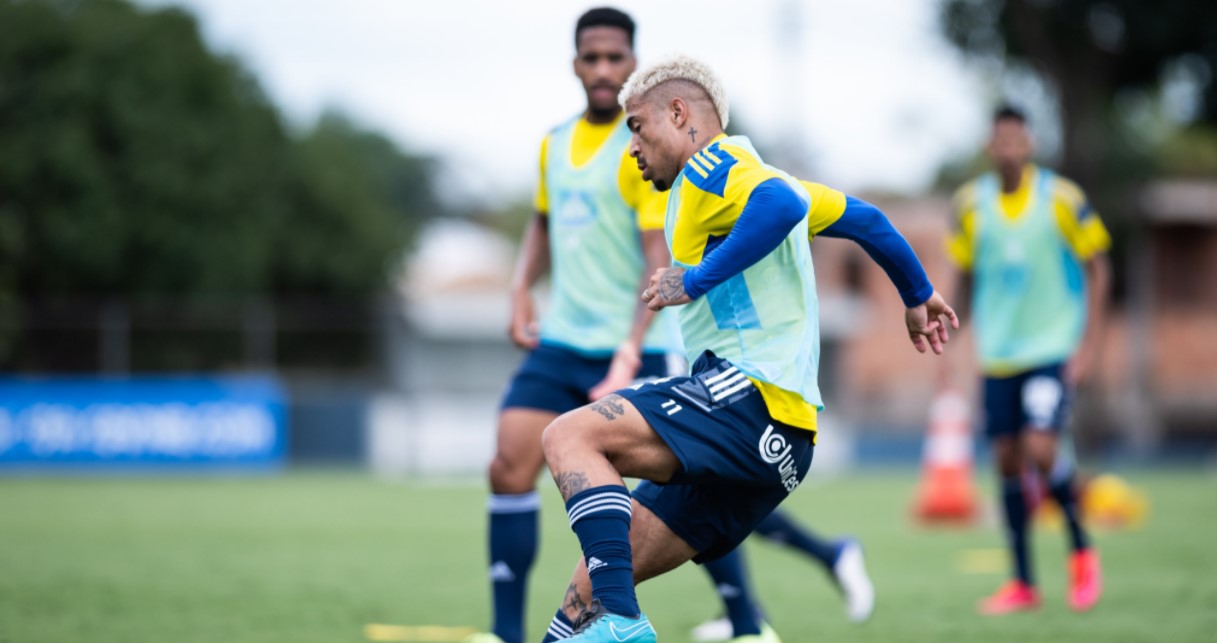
(741, 229)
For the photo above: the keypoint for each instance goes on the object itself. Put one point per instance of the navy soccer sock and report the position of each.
(600, 517)
(513, 547)
(731, 582)
(1015, 503)
(779, 528)
(559, 628)
(1062, 490)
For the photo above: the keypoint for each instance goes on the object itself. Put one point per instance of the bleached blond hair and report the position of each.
(677, 67)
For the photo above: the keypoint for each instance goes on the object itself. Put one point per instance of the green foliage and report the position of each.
(136, 162)
(1110, 43)
(356, 201)
(1190, 151)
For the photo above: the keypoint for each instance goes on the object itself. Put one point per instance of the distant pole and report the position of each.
(114, 337)
(259, 334)
(788, 36)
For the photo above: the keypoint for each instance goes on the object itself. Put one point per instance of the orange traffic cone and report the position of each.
(946, 493)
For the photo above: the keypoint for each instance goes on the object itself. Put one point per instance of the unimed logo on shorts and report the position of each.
(776, 450)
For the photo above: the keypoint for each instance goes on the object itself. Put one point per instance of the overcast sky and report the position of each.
(866, 89)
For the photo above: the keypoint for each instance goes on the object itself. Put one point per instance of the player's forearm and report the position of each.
(963, 295)
(867, 226)
(1098, 292)
(772, 211)
(655, 252)
(534, 255)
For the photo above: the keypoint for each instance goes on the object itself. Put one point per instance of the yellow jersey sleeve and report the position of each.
(649, 204)
(540, 201)
(742, 178)
(959, 242)
(827, 205)
(1080, 225)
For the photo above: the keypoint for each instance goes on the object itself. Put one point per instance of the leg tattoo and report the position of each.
(571, 483)
(610, 407)
(573, 603)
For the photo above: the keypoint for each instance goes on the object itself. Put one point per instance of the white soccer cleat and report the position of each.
(718, 629)
(482, 637)
(767, 635)
(850, 571)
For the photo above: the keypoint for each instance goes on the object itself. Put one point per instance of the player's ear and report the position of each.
(678, 111)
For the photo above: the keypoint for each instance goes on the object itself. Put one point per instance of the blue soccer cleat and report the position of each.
(599, 626)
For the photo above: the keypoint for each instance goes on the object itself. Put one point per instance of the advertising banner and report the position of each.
(141, 422)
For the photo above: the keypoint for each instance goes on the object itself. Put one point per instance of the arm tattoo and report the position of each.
(573, 603)
(571, 483)
(692, 134)
(610, 407)
(672, 285)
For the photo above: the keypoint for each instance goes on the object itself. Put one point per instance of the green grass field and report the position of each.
(314, 557)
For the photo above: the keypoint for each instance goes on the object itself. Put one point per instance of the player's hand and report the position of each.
(524, 330)
(667, 288)
(1077, 369)
(627, 359)
(928, 323)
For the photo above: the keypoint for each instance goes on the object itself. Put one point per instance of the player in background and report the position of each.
(1031, 260)
(717, 450)
(598, 231)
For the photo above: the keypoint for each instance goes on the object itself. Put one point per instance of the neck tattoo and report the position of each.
(692, 134)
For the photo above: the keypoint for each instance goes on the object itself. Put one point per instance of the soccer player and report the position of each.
(1030, 253)
(599, 231)
(719, 449)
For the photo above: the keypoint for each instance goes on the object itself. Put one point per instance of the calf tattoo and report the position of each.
(573, 603)
(610, 407)
(571, 483)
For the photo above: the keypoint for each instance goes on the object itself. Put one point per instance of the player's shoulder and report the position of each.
(709, 169)
(965, 197)
(733, 168)
(565, 124)
(1065, 191)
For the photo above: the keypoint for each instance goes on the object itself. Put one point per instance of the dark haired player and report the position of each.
(1031, 256)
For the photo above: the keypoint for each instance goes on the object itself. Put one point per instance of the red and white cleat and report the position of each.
(1014, 596)
(1085, 580)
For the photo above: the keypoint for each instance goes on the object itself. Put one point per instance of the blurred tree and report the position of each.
(1090, 50)
(356, 202)
(134, 163)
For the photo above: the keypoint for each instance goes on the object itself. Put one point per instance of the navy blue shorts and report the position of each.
(1037, 399)
(737, 463)
(557, 379)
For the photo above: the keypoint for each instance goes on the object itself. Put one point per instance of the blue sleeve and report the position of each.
(772, 211)
(864, 224)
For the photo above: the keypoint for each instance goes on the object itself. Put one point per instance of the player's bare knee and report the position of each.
(507, 476)
(557, 440)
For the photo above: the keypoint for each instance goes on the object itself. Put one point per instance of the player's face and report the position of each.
(1010, 145)
(603, 62)
(655, 144)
